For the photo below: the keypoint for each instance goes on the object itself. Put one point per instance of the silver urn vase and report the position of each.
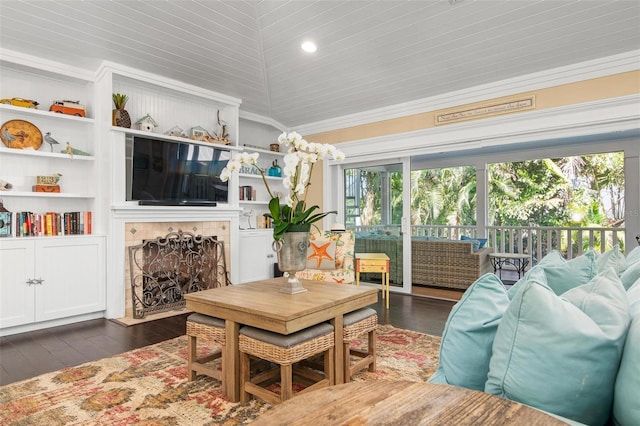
(292, 257)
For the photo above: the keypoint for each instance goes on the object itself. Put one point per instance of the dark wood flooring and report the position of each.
(26, 355)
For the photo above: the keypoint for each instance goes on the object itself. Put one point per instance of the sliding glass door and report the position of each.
(374, 207)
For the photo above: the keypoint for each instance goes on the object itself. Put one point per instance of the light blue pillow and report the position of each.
(559, 274)
(633, 256)
(626, 405)
(536, 273)
(561, 354)
(630, 275)
(612, 258)
(567, 274)
(554, 257)
(633, 294)
(468, 335)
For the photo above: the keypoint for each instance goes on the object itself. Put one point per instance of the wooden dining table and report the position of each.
(383, 402)
(260, 304)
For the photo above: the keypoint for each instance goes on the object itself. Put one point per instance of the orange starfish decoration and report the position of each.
(320, 252)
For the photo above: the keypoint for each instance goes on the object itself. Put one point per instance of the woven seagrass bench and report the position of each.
(284, 350)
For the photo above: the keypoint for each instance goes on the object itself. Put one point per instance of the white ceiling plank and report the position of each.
(372, 54)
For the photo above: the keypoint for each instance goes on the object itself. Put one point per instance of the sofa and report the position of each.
(391, 245)
(565, 339)
(437, 262)
(449, 264)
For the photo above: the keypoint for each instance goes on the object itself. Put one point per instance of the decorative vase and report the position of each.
(292, 257)
(121, 118)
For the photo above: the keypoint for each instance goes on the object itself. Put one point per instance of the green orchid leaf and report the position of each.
(274, 207)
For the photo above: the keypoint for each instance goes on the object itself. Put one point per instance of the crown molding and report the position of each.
(606, 117)
(262, 119)
(610, 65)
(46, 65)
(150, 78)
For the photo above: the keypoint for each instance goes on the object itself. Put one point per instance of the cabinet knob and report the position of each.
(38, 281)
(30, 282)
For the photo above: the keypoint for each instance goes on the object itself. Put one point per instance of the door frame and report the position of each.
(335, 200)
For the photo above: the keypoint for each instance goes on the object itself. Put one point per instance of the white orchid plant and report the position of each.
(292, 213)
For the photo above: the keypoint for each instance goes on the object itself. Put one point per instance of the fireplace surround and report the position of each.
(136, 233)
(165, 268)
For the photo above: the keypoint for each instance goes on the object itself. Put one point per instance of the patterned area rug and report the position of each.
(149, 386)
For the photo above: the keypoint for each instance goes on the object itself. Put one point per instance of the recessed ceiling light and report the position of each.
(309, 46)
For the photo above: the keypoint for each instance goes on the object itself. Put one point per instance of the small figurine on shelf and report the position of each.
(222, 136)
(73, 151)
(120, 117)
(21, 102)
(4, 185)
(199, 133)
(146, 123)
(50, 140)
(275, 169)
(176, 131)
(5, 221)
(68, 107)
(47, 183)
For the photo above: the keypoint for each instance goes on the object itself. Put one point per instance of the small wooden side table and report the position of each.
(374, 262)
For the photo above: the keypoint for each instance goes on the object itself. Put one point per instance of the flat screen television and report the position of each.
(164, 172)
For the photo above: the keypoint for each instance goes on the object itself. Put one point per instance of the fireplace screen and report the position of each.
(165, 268)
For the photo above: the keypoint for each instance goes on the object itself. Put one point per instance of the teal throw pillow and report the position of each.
(612, 259)
(478, 243)
(482, 241)
(567, 274)
(561, 354)
(626, 405)
(536, 273)
(468, 335)
(559, 274)
(633, 256)
(630, 275)
(554, 257)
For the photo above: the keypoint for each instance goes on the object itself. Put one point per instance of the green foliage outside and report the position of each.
(586, 191)
(443, 196)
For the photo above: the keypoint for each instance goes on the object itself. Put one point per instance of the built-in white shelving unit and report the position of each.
(53, 279)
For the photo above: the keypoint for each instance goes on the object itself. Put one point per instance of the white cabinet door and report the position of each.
(256, 255)
(72, 273)
(16, 290)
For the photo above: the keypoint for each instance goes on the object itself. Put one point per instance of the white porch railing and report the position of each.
(534, 240)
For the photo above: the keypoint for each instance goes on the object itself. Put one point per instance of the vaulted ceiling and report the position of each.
(371, 54)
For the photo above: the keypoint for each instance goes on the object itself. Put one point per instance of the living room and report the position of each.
(557, 108)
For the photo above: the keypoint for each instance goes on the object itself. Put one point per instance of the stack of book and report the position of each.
(29, 224)
(247, 193)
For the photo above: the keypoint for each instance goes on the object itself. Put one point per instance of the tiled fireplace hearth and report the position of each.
(138, 232)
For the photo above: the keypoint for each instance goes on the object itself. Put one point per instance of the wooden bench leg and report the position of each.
(192, 353)
(286, 381)
(245, 370)
(372, 349)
